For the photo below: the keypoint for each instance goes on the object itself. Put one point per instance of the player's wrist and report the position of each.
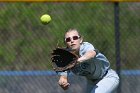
(63, 76)
(81, 59)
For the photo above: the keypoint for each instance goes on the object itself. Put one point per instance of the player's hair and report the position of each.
(72, 29)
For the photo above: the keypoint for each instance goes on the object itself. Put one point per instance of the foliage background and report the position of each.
(26, 44)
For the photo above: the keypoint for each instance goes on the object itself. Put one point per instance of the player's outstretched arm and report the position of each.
(88, 55)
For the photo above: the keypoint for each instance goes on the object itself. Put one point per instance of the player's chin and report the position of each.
(74, 47)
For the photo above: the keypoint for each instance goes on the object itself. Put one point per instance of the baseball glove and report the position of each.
(63, 60)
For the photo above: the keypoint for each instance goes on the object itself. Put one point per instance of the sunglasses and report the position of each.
(74, 38)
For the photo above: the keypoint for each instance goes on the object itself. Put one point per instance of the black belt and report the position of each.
(97, 80)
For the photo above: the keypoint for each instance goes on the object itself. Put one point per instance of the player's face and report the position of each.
(73, 40)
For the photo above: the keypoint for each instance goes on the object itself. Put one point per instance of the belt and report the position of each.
(97, 80)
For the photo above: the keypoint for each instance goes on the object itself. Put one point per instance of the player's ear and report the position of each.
(81, 40)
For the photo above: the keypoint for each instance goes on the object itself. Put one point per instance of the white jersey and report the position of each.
(93, 68)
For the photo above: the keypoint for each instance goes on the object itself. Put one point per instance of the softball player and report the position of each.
(91, 64)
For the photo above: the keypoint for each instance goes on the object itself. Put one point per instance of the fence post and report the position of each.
(117, 42)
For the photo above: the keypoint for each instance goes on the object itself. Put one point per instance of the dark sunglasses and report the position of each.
(74, 38)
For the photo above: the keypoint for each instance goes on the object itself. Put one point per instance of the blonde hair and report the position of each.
(72, 29)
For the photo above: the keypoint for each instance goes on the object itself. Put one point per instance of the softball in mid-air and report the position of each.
(45, 19)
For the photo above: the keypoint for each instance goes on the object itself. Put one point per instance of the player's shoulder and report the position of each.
(86, 44)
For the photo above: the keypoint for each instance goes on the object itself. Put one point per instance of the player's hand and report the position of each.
(65, 86)
(63, 82)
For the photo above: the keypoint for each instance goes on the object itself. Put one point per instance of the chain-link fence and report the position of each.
(26, 44)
